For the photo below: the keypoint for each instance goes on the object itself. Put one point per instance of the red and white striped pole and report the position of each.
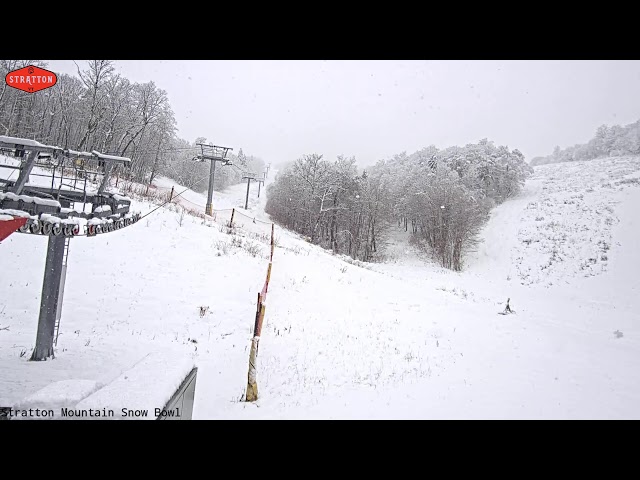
(252, 383)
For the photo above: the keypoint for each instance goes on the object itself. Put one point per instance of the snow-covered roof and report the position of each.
(112, 158)
(25, 141)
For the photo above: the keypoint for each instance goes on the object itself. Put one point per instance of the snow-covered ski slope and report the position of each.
(403, 339)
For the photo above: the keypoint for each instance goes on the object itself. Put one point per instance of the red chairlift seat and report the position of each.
(7, 227)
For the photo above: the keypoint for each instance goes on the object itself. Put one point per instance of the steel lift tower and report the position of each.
(58, 210)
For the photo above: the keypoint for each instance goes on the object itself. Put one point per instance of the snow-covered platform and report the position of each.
(156, 387)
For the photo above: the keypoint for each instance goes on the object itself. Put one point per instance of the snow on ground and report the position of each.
(233, 197)
(402, 339)
(564, 222)
(59, 395)
(145, 387)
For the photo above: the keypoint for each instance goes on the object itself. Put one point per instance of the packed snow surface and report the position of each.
(344, 339)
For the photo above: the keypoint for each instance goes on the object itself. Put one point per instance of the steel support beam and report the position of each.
(24, 173)
(50, 298)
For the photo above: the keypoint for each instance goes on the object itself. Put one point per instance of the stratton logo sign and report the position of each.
(31, 79)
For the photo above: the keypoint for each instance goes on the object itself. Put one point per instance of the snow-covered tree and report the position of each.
(444, 195)
(608, 141)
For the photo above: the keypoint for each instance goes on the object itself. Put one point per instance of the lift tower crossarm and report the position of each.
(214, 153)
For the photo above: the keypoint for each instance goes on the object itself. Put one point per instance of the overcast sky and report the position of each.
(280, 110)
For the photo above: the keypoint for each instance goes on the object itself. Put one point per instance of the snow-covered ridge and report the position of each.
(26, 142)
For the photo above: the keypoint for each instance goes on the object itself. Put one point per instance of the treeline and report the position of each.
(101, 110)
(608, 141)
(441, 196)
(331, 203)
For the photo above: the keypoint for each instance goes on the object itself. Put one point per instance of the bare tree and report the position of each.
(94, 80)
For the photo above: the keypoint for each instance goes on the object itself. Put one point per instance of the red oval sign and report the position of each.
(31, 79)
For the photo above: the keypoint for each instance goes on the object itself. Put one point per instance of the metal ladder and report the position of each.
(63, 277)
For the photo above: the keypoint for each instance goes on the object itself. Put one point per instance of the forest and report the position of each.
(441, 197)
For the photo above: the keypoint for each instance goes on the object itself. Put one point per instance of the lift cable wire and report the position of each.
(159, 206)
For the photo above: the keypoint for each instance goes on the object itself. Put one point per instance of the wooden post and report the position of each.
(266, 284)
(171, 194)
(257, 328)
(233, 211)
(261, 317)
(268, 275)
(252, 384)
(272, 242)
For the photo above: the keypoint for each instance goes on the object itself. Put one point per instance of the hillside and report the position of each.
(608, 141)
(343, 339)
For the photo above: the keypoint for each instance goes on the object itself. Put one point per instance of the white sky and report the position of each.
(280, 110)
